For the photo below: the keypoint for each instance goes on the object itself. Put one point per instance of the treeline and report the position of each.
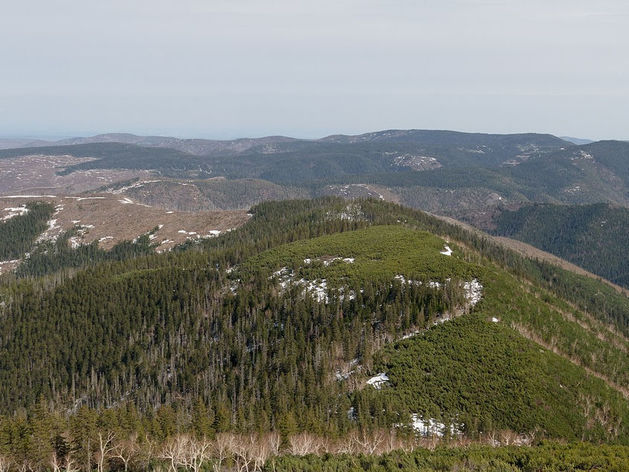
(121, 440)
(18, 234)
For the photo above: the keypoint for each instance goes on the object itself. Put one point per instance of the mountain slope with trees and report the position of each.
(590, 236)
(325, 318)
(238, 324)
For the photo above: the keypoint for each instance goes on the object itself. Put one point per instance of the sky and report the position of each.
(234, 68)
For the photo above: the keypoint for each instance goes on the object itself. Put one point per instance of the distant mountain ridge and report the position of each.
(199, 146)
(191, 146)
(463, 175)
(577, 140)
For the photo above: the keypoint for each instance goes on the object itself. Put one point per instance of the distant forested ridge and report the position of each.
(591, 236)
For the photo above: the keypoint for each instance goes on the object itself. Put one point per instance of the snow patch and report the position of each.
(473, 291)
(28, 196)
(446, 251)
(494, 319)
(134, 185)
(352, 212)
(46, 235)
(15, 211)
(378, 381)
(75, 242)
(432, 427)
(410, 335)
(329, 260)
(80, 199)
(416, 162)
(317, 288)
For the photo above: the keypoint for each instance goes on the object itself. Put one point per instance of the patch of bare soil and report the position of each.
(110, 219)
(38, 174)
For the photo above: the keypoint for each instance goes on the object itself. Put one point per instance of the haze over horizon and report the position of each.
(226, 69)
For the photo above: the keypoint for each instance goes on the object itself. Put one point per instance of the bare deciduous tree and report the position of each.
(105, 442)
(5, 464)
(172, 451)
(125, 450)
(194, 452)
(303, 444)
(223, 446)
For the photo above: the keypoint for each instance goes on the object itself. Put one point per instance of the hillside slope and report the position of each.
(294, 322)
(590, 236)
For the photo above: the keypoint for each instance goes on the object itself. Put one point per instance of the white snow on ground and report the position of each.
(327, 262)
(126, 201)
(75, 242)
(105, 238)
(15, 211)
(446, 251)
(348, 260)
(80, 199)
(473, 291)
(378, 381)
(348, 370)
(352, 212)
(6, 266)
(213, 233)
(76, 221)
(403, 280)
(494, 319)
(134, 185)
(432, 427)
(317, 288)
(28, 196)
(410, 335)
(46, 235)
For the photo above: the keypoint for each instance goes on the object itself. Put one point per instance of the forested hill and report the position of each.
(591, 236)
(316, 317)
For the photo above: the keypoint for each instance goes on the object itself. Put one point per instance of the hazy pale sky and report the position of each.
(220, 69)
